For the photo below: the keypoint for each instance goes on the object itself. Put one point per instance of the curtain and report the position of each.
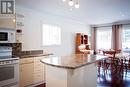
(93, 38)
(117, 37)
(116, 41)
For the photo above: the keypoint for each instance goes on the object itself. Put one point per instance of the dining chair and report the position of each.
(126, 65)
(110, 53)
(123, 65)
(118, 50)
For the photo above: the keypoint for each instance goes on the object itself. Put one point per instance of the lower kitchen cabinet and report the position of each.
(32, 71)
(26, 72)
(39, 70)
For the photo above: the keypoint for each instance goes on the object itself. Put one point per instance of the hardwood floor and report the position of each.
(110, 79)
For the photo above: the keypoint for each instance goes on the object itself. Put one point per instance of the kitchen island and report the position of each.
(78, 70)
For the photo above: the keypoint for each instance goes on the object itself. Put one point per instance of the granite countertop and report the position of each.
(73, 61)
(35, 55)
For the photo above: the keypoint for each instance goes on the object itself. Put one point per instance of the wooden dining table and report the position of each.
(122, 55)
(113, 53)
(110, 53)
(117, 61)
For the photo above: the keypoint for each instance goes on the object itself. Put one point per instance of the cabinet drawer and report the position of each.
(38, 64)
(39, 58)
(38, 70)
(38, 77)
(26, 60)
(39, 67)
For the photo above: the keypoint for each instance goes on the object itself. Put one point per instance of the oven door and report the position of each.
(4, 37)
(9, 75)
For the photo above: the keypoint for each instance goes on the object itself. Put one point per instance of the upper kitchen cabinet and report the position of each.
(7, 21)
(19, 21)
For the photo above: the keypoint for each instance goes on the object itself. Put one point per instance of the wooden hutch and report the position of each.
(81, 39)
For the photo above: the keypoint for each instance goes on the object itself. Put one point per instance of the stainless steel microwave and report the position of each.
(7, 35)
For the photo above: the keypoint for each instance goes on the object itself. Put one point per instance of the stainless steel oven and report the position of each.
(9, 68)
(7, 35)
(9, 73)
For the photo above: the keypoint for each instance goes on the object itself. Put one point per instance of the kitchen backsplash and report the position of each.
(16, 47)
(32, 52)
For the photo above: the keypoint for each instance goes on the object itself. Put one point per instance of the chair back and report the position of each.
(109, 53)
(118, 51)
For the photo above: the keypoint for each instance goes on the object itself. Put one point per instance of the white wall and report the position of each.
(31, 37)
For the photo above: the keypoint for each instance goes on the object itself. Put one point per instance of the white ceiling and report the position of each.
(90, 11)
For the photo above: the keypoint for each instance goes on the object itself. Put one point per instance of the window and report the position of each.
(103, 38)
(126, 38)
(51, 35)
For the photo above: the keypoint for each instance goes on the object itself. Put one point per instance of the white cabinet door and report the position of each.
(26, 72)
(7, 23)
(32, 71)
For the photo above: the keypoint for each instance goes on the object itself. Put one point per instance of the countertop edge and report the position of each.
(35, 55)
(69, 67)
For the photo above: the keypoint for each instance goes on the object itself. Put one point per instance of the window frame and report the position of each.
(59, 35)
(125, 27)
(107, 28)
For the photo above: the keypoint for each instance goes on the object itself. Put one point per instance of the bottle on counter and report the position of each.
(94, 52)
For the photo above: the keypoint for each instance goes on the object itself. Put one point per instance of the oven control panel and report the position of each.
(7, 62)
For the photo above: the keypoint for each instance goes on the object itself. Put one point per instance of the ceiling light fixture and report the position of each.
(63, 0)
(77, 5)
(72, 3)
